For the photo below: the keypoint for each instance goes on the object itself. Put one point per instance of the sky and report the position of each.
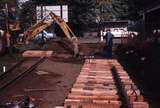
(23, 1)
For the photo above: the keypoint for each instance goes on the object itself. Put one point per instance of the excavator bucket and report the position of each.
(67, 31)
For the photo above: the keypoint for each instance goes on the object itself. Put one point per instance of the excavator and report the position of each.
(32, 31)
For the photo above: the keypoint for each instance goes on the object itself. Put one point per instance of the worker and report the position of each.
(109, 43)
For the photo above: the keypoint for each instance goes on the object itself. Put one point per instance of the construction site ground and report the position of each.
(52, 80)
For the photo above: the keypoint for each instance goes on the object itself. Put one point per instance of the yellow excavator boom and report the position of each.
(36, 28)
(66, 29)
(43, 24)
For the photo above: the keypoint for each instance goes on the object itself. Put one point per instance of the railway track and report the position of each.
(18, 71)
(104, 84)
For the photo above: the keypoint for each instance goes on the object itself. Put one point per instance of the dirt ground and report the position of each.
(9, 61)
(49, 84)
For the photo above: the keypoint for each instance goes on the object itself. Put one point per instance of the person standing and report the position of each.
(109, 42)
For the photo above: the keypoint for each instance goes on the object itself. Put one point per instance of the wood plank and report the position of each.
(131, 92)
(134, 98)
(94, 89)
(93, 104)
(95, 82)
(109, 79)
(37, 53)
(100, 77)
(140, 105)
(96, 74)
(93, 92)
(92, 101)
(81, 85)
(104, 97)
(105, 72)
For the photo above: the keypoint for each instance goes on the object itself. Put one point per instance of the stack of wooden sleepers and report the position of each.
(96, 87)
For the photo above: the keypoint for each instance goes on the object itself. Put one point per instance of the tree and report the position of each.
(104, 11)
(7, 14)
(9, 2)
(135, 7)
(120, 9)
(27, 14)
(50, 2)
(43, 2)
(2, 2)
(83, 13)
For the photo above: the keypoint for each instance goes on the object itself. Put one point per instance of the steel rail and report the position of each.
(19, 76)
(12, 68)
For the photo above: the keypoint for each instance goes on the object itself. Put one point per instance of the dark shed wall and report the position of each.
(152, 21)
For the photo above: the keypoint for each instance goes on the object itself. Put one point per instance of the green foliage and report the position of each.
(83, 12)
(135, 7)
(43, 2)
(9, 2)
(104, 11)
(49, 2)
(112, 9)
(120, 9)
(27, 14)
(2, 1)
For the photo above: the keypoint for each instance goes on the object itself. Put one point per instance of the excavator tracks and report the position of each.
(103, 83)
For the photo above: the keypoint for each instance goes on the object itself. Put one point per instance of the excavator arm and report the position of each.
(67, 31)
(36, 28)
(43, 24)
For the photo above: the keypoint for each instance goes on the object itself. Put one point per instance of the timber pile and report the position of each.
(96, 87)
